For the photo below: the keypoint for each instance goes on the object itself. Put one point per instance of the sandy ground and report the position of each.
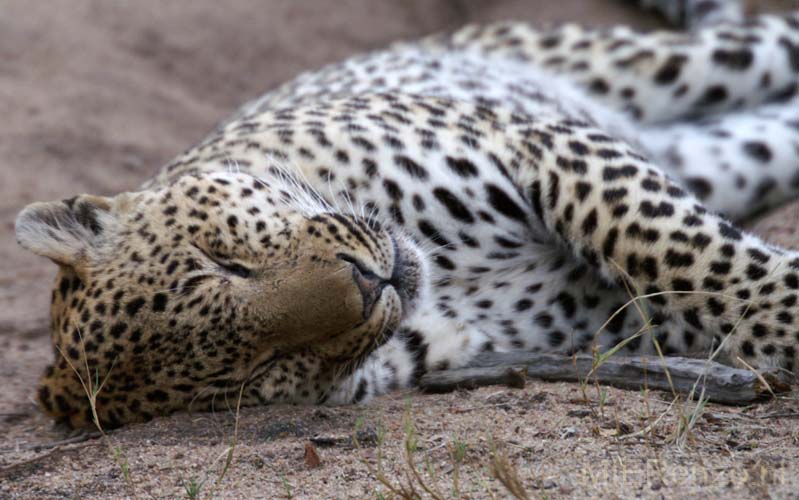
(96, 95)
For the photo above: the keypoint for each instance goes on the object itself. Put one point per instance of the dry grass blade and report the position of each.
(759, 376)
(405, 491)
(410, 449)
(91, 391)
(232, 449)
(505, 472)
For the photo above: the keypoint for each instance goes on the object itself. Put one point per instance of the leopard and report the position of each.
(500, 188)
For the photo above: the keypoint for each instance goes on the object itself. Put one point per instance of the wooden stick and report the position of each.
(83, 436)
(721, 383)
(472, 378)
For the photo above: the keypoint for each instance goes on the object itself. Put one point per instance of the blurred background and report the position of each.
(96, 95)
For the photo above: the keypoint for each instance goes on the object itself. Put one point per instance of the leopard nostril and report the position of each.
(369, 284)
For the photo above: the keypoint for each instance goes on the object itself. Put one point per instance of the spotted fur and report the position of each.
(501, 188)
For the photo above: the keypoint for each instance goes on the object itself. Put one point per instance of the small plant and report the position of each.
(414, 484)
(457, 452)
(123, 463)
(417, 483)
(228, 454)
(286, 486)
(687, 422)
(234, 440)
(193, 488)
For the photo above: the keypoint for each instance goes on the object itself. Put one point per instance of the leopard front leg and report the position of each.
(425, 341)
(623, 216)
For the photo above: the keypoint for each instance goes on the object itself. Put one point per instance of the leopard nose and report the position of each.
(369, 284)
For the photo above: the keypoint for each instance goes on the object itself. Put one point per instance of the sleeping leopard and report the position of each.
(501, 188)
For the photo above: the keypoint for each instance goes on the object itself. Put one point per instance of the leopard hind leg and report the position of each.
(737, 164)
(692, 14)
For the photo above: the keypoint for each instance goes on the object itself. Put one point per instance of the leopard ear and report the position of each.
(65, 231)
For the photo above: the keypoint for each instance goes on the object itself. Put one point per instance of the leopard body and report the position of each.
(501, 188)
